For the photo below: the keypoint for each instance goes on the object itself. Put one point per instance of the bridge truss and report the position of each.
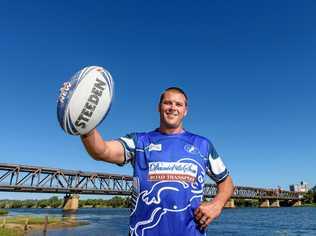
(23, 178)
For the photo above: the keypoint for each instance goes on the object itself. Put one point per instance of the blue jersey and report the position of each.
(169, 171)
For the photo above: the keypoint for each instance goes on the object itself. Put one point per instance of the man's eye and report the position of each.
(179, 104)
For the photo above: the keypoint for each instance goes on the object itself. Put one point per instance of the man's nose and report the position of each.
(173, 106)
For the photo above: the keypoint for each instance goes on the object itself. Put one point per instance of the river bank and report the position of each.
(19, 225)
(290, 221)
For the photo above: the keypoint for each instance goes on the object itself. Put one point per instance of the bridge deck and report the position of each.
(24, 178)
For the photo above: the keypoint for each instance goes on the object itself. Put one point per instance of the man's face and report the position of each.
(172, 109)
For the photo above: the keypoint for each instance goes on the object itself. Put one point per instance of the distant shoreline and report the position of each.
(55, 202)
(107, 207)
(114, 202)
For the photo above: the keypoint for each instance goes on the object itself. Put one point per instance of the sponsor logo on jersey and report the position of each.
(191, 149)
(154, 147)
(159, 171)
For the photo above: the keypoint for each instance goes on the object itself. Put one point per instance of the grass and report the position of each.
(17, 224)
(3, 212)
(10, 232)
(36, 220)
(310, 204)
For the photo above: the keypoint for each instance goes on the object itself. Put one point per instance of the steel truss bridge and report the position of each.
(24, 178)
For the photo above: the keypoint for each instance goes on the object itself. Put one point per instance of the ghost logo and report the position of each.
(91, 104)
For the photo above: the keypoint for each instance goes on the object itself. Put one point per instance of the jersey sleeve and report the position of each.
(129, 143)
(215, 166)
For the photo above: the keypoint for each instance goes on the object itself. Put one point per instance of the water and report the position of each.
(240, 221)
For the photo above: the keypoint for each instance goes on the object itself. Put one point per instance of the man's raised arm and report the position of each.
(108, 151)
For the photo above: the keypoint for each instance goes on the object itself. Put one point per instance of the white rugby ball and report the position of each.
(85, 100)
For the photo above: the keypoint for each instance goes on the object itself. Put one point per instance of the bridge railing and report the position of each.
(255, 193)
(23, 178)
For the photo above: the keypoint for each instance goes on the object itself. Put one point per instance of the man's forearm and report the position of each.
(94, 144)
(225, 191)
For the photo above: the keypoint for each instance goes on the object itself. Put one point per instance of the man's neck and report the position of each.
(166, 130)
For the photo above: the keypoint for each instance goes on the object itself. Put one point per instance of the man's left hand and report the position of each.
(206, 213)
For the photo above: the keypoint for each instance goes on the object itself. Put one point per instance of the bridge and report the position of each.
(24, 178)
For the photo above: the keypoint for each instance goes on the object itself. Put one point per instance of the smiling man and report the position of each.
(169, 165)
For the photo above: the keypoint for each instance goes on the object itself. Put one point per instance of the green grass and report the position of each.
(310, 204)
(10, 232)
(34, 220)
(3, 212)
(40, 220)
(14, 226)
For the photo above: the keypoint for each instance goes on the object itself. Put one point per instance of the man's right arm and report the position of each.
(108, 151)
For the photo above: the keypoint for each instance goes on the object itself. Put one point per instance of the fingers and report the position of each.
(200, 218)
(198, 214)
(204, 222)
(203, 217)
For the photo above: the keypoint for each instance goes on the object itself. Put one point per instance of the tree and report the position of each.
(54, 202)
(310, 197)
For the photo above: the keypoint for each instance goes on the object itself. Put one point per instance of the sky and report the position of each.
(248, 68)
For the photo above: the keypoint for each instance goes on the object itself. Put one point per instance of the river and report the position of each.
(284, 221)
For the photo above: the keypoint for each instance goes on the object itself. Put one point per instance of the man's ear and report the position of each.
(186, 111)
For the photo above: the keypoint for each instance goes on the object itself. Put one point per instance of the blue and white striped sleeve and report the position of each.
(129, 144)
(215, 166)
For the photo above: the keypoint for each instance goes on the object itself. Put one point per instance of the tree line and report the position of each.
(310, 196)
(115, 202)
(55, 202)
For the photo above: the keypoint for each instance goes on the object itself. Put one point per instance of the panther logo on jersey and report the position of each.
(191, 149)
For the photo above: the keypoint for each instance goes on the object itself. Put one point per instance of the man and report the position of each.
(169, 168)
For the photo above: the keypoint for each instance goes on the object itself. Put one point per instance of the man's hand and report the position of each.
(206, 213)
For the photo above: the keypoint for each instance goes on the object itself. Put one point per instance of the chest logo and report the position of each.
(191, 149)
(154, 147)
(168, 171)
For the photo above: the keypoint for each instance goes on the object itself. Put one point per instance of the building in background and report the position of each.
(302, 187)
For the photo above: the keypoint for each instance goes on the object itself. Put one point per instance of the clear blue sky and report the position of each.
(247, 66)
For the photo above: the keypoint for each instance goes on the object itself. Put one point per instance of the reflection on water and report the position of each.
(71, 215)
(240, 222)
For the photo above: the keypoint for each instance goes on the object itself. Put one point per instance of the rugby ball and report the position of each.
(85, 100)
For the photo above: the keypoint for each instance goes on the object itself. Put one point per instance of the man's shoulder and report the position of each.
(197, 137)
(156, 134)
(141, 135)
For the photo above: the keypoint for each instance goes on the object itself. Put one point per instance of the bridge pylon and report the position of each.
(265, 203)
(296, 203)
(275, 204)
(71, 202)
(230, 203)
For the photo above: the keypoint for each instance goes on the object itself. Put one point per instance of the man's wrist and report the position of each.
(218, 202)
(87, 134)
